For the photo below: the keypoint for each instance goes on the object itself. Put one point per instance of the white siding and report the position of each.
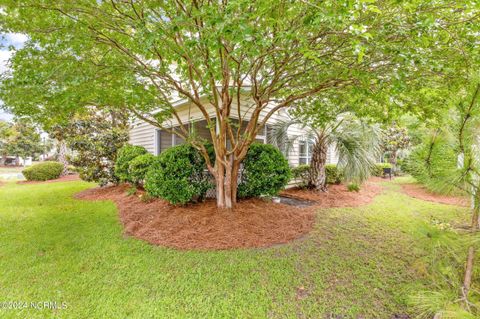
(143, 134)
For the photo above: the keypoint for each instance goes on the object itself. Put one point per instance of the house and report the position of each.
(15, 161)
(156, 140)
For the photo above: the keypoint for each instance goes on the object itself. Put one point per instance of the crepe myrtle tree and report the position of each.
(239, 58)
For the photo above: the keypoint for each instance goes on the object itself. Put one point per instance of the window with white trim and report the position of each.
(305, 150)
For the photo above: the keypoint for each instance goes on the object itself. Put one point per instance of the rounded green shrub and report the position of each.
(43, 171)
(301, 173)
(334, 174)
(125, 155)
(178, 175)
(139, 167)
(265, 171)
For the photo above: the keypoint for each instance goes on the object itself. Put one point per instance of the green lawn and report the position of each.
(357, 263)
(11, 169)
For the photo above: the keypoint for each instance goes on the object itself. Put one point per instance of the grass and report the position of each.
(364, 261)
(11, 169)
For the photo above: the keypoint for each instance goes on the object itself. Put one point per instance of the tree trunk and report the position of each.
(226, 179)
(318, 176)
(62, 156)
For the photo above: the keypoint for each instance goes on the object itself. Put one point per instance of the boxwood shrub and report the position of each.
(334, 174)
(265, 171)
(302, 174)
(125, 155)
(178, 175)
(138, 168)
(43, 171)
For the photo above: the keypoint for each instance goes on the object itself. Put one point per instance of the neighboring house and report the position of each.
(15, 161)
(156, 140)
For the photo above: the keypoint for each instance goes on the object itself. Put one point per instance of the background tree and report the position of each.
(95, 138)
(5, 133)
(234, 56)
(23, 140)
(395, 138)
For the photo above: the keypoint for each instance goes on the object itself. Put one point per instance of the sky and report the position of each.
(9, 42)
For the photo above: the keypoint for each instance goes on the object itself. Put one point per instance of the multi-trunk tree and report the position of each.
(236, 58)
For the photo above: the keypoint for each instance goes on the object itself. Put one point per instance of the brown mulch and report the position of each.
(254, 223)
(338, 195)
(201, 226)
(420, 192)
(66, 178)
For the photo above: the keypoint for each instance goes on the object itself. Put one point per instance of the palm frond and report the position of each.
(279, 135)
(358, 147)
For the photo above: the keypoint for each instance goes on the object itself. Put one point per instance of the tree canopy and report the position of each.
(233, 58)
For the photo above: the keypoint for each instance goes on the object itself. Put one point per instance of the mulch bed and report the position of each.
(338, 195)
(254, 222)
(420, 192)
(201, 226)
(66, 178)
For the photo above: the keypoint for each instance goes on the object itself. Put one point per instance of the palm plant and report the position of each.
(357, 145)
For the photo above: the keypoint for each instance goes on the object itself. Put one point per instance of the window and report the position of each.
(262, 136)
(164, 140)
(305, 150)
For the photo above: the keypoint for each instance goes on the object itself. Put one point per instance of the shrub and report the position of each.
(43, 171)
(138, 168)
(378, 169)
(265, 171)
(95, 138)
(301, 173)
(353, 187)
(72, 168)
(178, 175)
(125, 155)
(334, 174)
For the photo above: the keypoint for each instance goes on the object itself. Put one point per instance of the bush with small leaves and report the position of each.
(43, 171)
(265, 172)
(301, 173)
(334, 174)
(178, 176)
(125, 155)
(139, 167)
